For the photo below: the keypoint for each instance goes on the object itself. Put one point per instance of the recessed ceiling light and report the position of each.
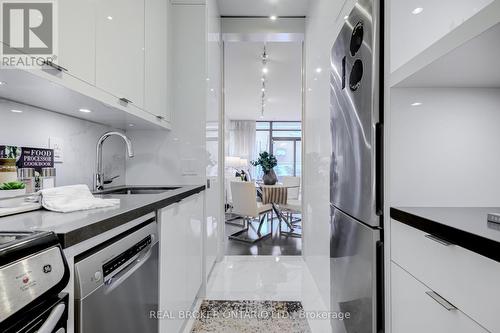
(319, 70)
(85, 110)
(212, 89)
(265, 70)
(208, 79)
(416, 104)
(346, 17)
(131, 125)
(273, 17)
(16, 111)
(2, 83)
(417, 10)
(263, 89)
(109, 18)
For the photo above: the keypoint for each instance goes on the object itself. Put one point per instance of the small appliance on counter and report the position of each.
(33, 273)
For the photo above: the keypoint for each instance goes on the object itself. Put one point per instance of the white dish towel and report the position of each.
(72, 198)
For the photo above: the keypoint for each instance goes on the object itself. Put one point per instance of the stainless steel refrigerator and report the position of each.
(356, 185)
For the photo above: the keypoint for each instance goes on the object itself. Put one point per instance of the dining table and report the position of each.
(277, 195)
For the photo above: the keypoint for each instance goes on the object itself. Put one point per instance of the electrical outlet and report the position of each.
(57, 144)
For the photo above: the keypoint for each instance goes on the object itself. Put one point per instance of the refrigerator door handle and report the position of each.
(380, 288)
(379, 180)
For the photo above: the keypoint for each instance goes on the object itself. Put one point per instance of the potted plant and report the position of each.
(12, 189)
(267, 162)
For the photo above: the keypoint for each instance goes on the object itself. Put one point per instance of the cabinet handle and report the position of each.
(438, 240)
(126, 100)
(444, 303)
(55, 66)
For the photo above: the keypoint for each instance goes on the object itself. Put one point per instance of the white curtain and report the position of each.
(242, 139)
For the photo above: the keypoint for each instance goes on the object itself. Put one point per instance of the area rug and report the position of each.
(250, 316)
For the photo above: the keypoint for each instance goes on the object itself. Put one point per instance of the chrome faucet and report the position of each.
(99, 175)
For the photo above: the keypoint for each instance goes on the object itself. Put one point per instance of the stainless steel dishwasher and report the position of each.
(116, 283)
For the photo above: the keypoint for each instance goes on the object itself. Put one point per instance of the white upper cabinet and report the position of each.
(156, 58)
(77, 38)
(120, 49)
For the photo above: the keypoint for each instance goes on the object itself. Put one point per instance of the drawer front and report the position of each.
(414, 311)
(466, 279)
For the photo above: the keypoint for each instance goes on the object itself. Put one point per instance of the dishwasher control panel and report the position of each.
(125, 257)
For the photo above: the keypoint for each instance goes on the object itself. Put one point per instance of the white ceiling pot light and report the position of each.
(85, 110)
(417, 11)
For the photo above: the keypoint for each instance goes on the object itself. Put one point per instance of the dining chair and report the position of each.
(294, 203)
(293, 184)
(245, 205)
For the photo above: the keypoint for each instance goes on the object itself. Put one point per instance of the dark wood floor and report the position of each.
(275, 245)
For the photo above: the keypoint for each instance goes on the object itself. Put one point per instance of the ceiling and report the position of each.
(263, 7)
(243, 72)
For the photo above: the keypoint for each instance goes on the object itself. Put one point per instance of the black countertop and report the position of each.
(76, 227)
(467, 227)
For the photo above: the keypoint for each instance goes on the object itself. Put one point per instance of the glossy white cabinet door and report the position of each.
(181, 259)
(172, 267)
(77, 25)
(414, 311)
(120, 49)
(156, 58)
(193, 248)
(467, 279)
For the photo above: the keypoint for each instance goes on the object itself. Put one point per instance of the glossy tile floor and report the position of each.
(281, 278)
(274, 246)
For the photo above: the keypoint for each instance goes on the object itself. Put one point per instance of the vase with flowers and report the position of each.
(267, 162)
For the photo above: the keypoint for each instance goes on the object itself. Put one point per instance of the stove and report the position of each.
(33, 273)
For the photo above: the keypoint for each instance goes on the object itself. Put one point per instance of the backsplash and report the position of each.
(32, 127)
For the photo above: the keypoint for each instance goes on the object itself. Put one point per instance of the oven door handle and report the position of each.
(55, 315)
(122, 275)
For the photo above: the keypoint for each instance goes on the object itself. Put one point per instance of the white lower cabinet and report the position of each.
(467, 279)
(181, 260)
(415, 311)
(194, 246)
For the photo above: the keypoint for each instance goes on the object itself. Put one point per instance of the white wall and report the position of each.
(322, 27)
(214, 210)
(178, 156)
(34, 126)
(445, 152)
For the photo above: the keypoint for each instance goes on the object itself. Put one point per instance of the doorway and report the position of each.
(263, 106)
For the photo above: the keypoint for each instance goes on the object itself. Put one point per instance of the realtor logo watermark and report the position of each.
(29, 37)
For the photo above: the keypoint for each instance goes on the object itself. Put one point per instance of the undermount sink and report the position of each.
(137, 190)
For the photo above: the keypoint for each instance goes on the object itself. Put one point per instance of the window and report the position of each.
(282, 139)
